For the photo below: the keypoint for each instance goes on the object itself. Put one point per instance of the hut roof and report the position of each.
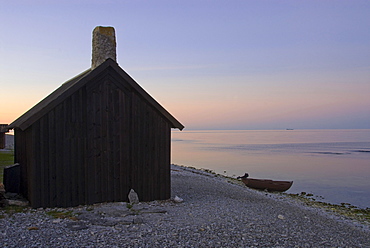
(72, 85)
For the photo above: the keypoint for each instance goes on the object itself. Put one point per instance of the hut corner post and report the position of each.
(3, 130)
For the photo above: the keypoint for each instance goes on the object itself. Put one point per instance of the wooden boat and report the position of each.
(267, 184)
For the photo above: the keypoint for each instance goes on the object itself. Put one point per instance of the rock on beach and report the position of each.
(213, 213)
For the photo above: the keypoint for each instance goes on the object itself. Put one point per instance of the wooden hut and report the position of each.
(92, 140)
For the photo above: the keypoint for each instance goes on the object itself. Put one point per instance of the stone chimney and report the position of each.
(103, 45)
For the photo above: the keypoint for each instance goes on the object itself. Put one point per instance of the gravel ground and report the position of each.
(214, 213)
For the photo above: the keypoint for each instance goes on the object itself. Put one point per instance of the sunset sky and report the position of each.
(220, 64)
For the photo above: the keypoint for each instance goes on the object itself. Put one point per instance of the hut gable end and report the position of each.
(109, 67)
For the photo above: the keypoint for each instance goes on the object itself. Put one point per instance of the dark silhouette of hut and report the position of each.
(94, 138)
(3, 130)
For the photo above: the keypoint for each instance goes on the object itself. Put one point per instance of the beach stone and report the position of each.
(154, 211)
(133, 197)
(127, 220)
(87, 216)
(281, 217)
(19, 203)
(106, 221)
(138, 220)
(76, 226)
(178, 199)
(116, 212)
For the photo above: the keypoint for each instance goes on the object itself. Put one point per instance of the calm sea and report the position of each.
(333, 164)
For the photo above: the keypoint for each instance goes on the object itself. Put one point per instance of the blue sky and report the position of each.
(212, 64)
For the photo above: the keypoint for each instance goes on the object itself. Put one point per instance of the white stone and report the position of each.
(133, 197)
(281, 217)
(178, 199)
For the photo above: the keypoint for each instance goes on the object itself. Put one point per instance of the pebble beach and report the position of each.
(209, 211)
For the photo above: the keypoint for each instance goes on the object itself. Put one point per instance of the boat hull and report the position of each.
(267, 184)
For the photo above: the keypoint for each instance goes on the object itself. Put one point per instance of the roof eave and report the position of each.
(175, 123)
(28, 118)
(70, 86)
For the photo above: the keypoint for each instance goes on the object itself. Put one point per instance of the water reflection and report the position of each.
(332, 163)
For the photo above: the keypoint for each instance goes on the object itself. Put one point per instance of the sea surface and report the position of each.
(333, 165)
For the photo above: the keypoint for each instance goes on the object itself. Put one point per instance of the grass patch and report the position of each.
(345, 209)
(9, 210)
(6, 159)
(57, 214)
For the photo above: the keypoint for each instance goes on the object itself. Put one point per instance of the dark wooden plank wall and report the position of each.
(109, 141)
(2, 140)
(150, 171)
(94, 147)
(22, 153)
(2, 136)
(55, 157)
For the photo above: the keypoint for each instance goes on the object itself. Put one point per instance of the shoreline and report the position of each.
(353, 213)
(215, 212)
(328, 163)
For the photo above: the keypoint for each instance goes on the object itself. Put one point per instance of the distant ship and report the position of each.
(289, 129)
